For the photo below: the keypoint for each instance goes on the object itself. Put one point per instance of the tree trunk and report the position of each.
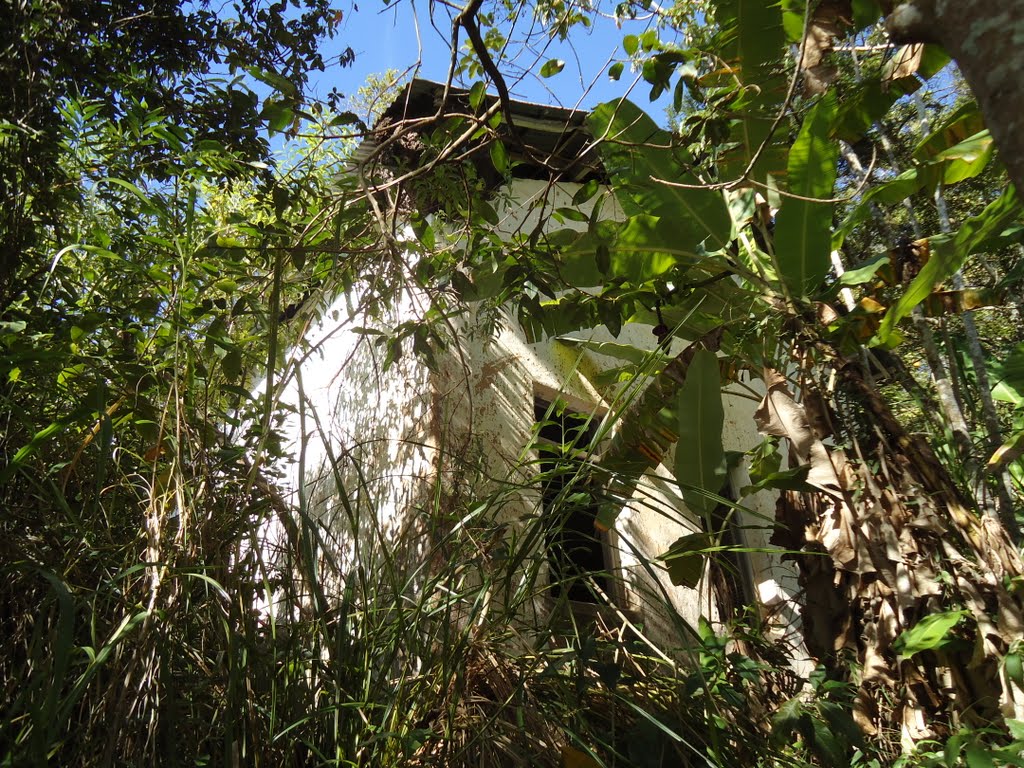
(984, 37)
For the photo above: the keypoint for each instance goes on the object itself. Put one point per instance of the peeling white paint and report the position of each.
(388, 438)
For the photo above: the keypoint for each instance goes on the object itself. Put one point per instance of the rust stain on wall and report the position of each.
(490, 371)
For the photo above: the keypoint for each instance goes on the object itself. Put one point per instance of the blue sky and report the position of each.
(386, 37)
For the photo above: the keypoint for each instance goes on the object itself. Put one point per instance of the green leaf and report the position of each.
(625, 352)
(978, 756)
(499, 156)
(572, 214)
(866, 273)
(784, 480)
(827, 744)
(947, 255)
(477, 94)
(586, 191)
(274, 80)
(964, 122)
(929, 633)
(803, 228)
(481, 207)
(890, 192)
(1016, 728)
(966, 159)
(1009, 376)
(638, 254)
(788, 721)
(700, 456)
(637, 154)
(753, 43)
(865, 104)
(39, 438)
(841, 721)
(649, 40)
(552, 67)
(278, 116)
(603, 258)
(865, 13)
(630, 44)
(615, 70)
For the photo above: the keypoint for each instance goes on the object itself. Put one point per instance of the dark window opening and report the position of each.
(577, 554)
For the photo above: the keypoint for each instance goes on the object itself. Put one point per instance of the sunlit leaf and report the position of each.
(552, 67)
(931, 632)
(947, 254)
(803, 227)
(636, 151)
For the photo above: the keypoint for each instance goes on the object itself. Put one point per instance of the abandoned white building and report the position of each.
(403, 457)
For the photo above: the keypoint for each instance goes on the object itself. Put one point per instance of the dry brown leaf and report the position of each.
(903, 64)
(830, 21)
(781, 416)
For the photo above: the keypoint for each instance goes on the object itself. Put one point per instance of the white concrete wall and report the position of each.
(369, 446)
(360, 440)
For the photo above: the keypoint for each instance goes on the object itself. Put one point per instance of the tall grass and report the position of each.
(132, 634)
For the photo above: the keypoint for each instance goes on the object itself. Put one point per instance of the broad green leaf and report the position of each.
(966, 159)
(572, 214)
(1009, 377)
(639, 156)
(752, 42)
(275, 80)
(827, 744)
(978, 756)
(841, 721)
(552, 67)
(963, 123)
(929, 633)
(1016, 728)
(477, 94)
(865, 12)
(619, 351)
(788, 721)
(499, 156)
(785, 480)
(278, 116)
(948, 254)
(1007, 453)
(615, 70)
(232, 364)
(586, 191)
(866, 273)
(640, 250)
(700, 455)
(803, 228)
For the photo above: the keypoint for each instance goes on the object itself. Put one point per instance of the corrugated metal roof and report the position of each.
(543, 141)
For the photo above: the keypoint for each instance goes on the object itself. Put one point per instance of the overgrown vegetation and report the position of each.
(176, 215)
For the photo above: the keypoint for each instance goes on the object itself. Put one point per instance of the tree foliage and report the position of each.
(827, 229)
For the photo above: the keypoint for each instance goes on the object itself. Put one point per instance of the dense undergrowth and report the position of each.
(161, 603)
